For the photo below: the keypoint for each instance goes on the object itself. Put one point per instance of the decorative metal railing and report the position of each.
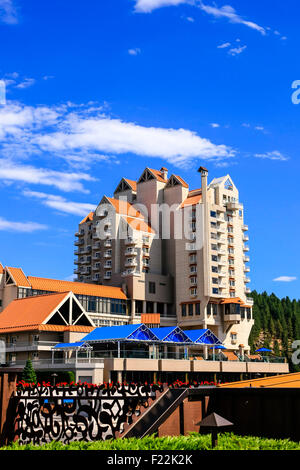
(78, 413)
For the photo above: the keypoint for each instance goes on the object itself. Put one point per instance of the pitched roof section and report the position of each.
(18, 277)
(192, 200)
(88, 218)
(79, 288)
(124, 208)
(232, 300)
(29, 312)
(131, 183)
(138, 224)
(184, 184)
(1, 269)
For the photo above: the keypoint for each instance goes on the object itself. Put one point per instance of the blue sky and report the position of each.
(97, 90)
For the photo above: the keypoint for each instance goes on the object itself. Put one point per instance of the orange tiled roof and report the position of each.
(18, 276)
(124, 207)
(184, 184)
(79, 288)
(158, 175)
(131, 183)
(139, 224)
(191, 200)
(89, 217)
(29, 312)
(1, 269)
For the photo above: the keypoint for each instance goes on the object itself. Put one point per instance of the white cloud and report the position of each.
(237, 50)
(147, 6)
(227, 11)
(84, 134)
(27, 227)
(61, 204)
(224, 45)
(215, 124)
(27, 83)
(8, 13)
(275, 155)
(135, 51)
(68, 182)
(285, 279)
(259, 128)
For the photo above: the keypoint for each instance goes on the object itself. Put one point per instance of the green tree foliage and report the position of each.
(277, 324)
(29, 374)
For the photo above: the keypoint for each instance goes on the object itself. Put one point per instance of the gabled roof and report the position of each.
(88, 218)
(171, 334)
(203, 336)
(178, 180)
(78, 288)
(131, 183)
(118, 333)
(34, 313)
(157, 174)
(18, 277)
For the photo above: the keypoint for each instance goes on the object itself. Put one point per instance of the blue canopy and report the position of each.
(78, 345)
(171, 334)
(263, 350)
(218, 346)
(104, 334)
(204, 337)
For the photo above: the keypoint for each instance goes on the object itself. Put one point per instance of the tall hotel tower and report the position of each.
(176, 252)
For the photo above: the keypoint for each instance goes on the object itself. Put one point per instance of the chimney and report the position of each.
(164, 172)
(204, 173)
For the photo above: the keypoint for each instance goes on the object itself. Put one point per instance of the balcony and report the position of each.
(130, 264)
(245, 228)
(220, 229)
(96, 268)
(246, 269)
(79, 233)
(234, 205)
(96, 246)
(232, 317)
(107, 265)
(246, 259)
(107, 243)
(76, 271)
(245, 238)
(96, 256)
(131, 252)
(95, 236)
(96, 278)
(107, 255)
(247, 280)
(131, 241)
(79, 242)
(246, 248)
(107, 276)
(247, 290)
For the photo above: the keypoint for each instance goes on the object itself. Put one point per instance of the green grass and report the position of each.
(193, 441)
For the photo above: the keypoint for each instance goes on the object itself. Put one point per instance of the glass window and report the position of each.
(198, 308)
(152, 288)
(183, 310)
(191, 310)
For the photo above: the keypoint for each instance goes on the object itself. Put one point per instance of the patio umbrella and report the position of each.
(263, 350)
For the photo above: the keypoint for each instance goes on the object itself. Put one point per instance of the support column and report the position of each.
(165, 310)
(132, 308)
(205, 352)
(154, 307)
(144, 306)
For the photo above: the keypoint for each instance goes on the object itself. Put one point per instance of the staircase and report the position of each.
(155, 415)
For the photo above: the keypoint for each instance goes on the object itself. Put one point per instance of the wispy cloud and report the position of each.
(8, 12)
(135, 51)
(236, 50)
(27, 83)
(214, 125)
(226, 11)
(224, 45)
(285, 279)
(61, 204)
(27, 227)
(275, 155)
(10, 171)
(85, 133)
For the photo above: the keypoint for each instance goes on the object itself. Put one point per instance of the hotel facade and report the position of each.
(178, 253)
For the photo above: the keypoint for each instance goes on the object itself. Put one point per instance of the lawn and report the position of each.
(193, 441)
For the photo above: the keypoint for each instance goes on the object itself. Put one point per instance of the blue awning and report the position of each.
(106, 334)
(171, 334)
(204, 337)
(78, 345)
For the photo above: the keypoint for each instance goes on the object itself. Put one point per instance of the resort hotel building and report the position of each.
(161, 290)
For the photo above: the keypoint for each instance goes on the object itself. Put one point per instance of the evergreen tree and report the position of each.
(29, 375)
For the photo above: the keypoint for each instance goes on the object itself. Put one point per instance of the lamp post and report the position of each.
(54, 377)
(214, 423)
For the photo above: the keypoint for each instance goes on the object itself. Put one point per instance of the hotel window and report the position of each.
(191, 310)
(193, 291)
(193, 280)
(231, 262)
(183, 310)
(193, 269)
(214, 258)
(231, 250)
(213, 236)
(232, 294)
(213, 224)
(230, 229)
(242, 313)
(213, 214)
(248, 313)
(212, 309)
(215, 280)
(215, 290)
(232, 283)
(193, 258)
(214, 269)
(214, 247)
(152, 288)
(198, 309)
